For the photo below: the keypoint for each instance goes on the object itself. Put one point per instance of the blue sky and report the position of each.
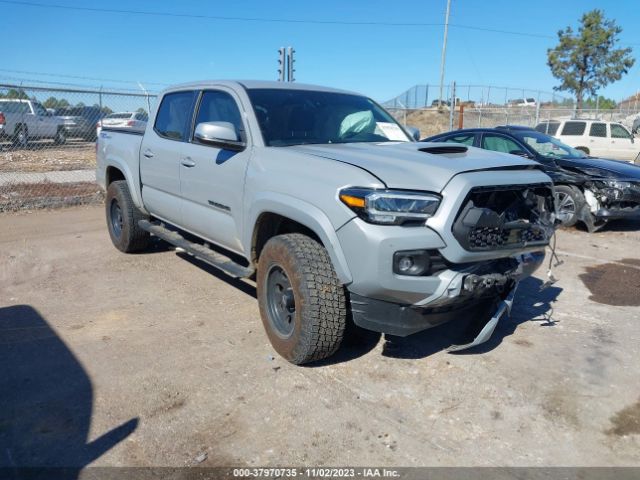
(380, 61)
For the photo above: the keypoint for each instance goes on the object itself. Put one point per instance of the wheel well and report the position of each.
(114, 174)
(269, 225)
(583, 149)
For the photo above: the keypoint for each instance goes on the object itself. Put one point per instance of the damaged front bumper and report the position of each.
(607, 200)
(464, 293)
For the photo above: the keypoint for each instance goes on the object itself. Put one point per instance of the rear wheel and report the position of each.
(122, 219)
(302, 302)
(583, 149)
(569, 201)
(21, 136)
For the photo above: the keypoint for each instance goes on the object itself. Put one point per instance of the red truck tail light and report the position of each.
(3, 121)
(131, 123)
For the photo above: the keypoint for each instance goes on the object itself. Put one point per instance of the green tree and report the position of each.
(19, 93)
(53, 102)
(603, 103)
(588, 60)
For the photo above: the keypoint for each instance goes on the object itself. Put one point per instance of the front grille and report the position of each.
(505, 217)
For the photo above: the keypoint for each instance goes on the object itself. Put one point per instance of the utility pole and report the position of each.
(444, 51)
(282, 64)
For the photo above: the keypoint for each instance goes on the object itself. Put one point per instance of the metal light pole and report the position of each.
(444, 51)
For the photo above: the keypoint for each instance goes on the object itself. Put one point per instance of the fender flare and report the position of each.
(134, 185)
(305, 214)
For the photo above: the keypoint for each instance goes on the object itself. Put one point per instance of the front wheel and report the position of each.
(122, 219)
(569, 201)
(61, 137)
(302, 302)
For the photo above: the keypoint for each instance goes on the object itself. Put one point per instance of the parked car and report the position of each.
(590, 190)
(80, 121)
(333, 207)
(636, 125)
(522, 102)
(25, 120)
(127, 120)
(594, 137)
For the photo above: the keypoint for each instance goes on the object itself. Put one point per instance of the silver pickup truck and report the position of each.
(331, 206)
(22, 120)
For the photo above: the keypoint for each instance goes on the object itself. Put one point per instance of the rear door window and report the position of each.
(174, 116)
(574, 128)
(598, 130)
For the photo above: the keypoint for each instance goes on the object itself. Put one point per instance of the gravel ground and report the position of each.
(155, 359)
(45, 156)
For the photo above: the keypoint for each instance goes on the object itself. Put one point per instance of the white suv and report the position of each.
(594, 137)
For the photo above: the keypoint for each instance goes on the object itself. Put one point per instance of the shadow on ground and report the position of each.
(46, 402)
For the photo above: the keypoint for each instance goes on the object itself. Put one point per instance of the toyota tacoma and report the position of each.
(331, 206)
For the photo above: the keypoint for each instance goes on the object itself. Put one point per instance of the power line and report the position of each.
(81, 77)
(278, 20)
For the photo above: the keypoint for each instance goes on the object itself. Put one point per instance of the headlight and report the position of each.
(614, 184)
(390, 207)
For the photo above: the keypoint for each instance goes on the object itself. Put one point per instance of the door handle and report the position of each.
(148, 153)
(187, 162)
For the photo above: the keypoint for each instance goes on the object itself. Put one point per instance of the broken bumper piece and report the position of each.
(504, 308)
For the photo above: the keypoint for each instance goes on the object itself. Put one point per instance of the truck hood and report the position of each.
(417, 165)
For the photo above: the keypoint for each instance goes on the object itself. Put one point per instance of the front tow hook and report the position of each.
(504, 307)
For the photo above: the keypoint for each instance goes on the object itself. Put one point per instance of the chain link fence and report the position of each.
(47, 141)
(48, 134)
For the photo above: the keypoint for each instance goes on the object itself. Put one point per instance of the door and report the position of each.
(45, 122)
(160, 154)
(212, 179)
(623, 146)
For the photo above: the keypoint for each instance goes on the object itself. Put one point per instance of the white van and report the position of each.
(594, 137)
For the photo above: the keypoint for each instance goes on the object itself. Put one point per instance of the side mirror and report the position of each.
(414, 132)
(219, 134)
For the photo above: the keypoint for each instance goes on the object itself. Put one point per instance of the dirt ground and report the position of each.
(155, 359)
(46, 156)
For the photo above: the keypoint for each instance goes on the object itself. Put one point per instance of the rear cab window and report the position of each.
(173, 120)
(574, 128)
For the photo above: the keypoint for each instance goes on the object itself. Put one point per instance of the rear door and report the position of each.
(160, 154)
(211, 178)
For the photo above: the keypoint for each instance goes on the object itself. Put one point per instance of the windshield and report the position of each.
(547, 146)
(298, 117)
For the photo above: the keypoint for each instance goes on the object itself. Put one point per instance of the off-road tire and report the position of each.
(320, 303)
(576, 197)
(130, 237)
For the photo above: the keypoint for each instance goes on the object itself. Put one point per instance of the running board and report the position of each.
(197, 250)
